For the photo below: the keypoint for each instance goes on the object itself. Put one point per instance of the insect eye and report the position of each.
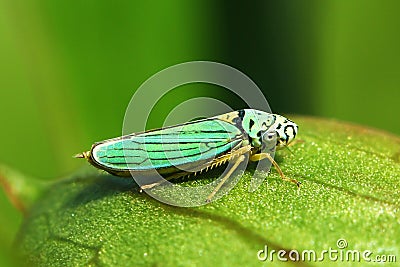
(269, 136)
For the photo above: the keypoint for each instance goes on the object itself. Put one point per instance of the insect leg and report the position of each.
(170, 177)
(261, 156)
(236, 155)
(239, 160)
(149, 186)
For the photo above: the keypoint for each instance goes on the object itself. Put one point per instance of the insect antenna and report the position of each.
(286, 146)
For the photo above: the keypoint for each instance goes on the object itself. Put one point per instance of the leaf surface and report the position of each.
(350, 190)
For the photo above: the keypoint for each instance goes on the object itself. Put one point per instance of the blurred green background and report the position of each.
(69, 68)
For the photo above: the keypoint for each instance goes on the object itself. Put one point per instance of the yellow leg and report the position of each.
(236, 155)
(261, 156)
(172, 176)
(149, 186)
(234, 167)
(216, 162)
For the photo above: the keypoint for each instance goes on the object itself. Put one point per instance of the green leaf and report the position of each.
(22, 191)
(350, 190)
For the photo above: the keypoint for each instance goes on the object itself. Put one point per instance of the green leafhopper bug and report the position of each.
(196, 146)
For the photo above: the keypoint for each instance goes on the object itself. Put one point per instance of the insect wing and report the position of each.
(182, 146)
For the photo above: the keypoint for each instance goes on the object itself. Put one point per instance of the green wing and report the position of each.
(193, 143)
